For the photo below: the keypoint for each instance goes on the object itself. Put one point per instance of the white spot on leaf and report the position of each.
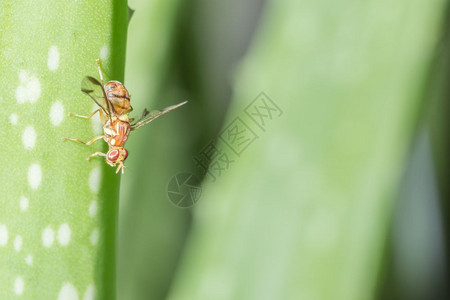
(19, 286)
(29, 89)
(64, 234)
(94, 236)
(23, 203)
(56, 113)
(48, 236)
(96, 122)
(104, 52)
(94, 179)
(34, 176)
(3, 235)
(90, 293)
(53, 58)
(18, 243)
(29, 260)
(13, 118)
(29, 137)
(68, 292)
(93, 208)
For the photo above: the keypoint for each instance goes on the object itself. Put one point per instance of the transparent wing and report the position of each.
(94, 89)
(148, 116)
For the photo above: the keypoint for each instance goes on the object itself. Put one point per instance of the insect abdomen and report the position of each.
(118, 95)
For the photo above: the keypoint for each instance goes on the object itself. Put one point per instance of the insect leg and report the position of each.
(96, 154)
(103, 118)
(100, 72)
(84, 117)
(121, 166)
(81, 142)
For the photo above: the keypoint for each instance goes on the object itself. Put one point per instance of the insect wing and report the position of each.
(93, 88)
(148, 116)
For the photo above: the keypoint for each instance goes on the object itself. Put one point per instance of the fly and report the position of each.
(113, 101)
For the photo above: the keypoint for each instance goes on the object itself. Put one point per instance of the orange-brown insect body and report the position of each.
(118, 96)
(116, 133)
(114, 106)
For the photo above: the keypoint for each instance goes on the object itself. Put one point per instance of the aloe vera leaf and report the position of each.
(58, 211)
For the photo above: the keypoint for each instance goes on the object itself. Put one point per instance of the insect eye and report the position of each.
(113, 155)
(125, 154)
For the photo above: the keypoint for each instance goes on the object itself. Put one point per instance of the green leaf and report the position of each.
(58, 211)
(303, 212)
(152, 230)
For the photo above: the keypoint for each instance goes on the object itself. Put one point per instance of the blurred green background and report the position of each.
(335, 184)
